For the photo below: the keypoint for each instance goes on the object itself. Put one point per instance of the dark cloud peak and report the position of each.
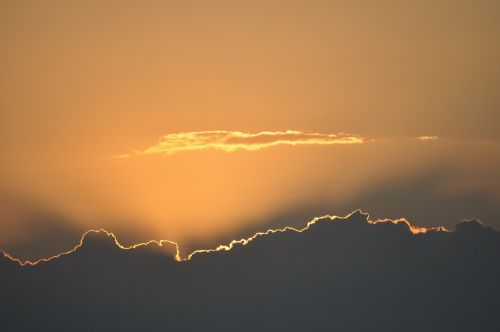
(472, 226)
(99, 238)
(97, 242)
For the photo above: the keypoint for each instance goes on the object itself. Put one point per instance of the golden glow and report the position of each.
(427, 138)
(85, 80)
(229, 141)
(413, 229)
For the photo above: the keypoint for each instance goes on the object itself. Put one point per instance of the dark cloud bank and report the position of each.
(339, 275)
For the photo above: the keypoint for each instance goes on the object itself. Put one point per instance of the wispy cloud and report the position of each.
(229, 141)
(427, 138)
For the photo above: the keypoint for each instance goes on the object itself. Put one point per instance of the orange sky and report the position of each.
(84, 81)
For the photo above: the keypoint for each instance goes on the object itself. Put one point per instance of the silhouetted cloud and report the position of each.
(421, 198)
(230, 141)
(94, 238)
(346, 274)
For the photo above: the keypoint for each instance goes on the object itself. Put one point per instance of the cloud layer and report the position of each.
(229, 141)
(335, 274)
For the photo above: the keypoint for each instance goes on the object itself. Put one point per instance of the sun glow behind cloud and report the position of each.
(174, 247)
(229, 141)
(81, 86)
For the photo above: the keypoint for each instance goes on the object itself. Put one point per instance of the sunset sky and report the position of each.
(202, 121)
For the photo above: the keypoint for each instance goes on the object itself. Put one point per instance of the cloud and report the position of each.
(92, 237)
(427, 138)
(242, 242)
(110, 238)
(336, 273)
(229, 141)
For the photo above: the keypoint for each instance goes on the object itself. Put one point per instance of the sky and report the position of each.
(199, 121)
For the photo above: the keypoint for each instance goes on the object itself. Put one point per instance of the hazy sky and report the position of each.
(85, 82)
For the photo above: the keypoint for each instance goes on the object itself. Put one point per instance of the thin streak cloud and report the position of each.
(428, 138)
(230, 141)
